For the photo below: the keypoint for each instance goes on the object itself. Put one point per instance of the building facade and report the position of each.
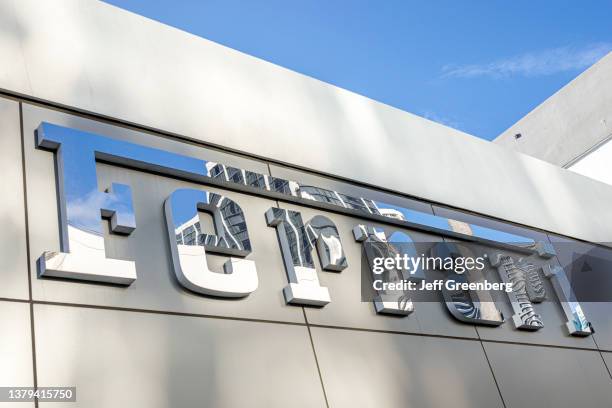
(185, 227)
(572, 128)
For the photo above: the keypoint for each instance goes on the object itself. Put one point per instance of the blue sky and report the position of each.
(478, 66)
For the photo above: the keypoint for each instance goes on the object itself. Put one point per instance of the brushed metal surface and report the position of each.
(15, 349)
(365, 369)
(13, 256)
(549, 377)
(130, 359)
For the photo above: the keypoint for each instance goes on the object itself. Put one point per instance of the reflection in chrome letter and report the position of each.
(524, 317)
(377, 245)
(82, 207)
(322, 231)
(189, 244)
(297, 242)
(469, 306)
(577, 323)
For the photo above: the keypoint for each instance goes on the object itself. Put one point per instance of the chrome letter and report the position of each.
(377, 246)
(82, 207)
(189, 244)
(297, 242)
(526, 288)
(469, 306)
(577, 323)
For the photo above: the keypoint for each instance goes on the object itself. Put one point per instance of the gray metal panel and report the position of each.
(130, 359)
(156, 287)
(598, 314)
(608, 361)
(13, 258)
(346, 308)
(569, 123)
(366, 369)
(173, 81)
(15, 349)
(549, 377)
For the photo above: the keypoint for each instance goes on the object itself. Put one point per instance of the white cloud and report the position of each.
(444, 120)
(84, 212)
(540, 63)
